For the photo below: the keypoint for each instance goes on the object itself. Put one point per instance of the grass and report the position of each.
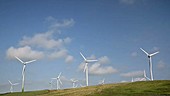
(147, 88)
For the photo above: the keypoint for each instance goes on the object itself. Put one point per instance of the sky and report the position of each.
(54, 32)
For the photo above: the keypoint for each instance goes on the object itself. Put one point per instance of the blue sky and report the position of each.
(55, 31)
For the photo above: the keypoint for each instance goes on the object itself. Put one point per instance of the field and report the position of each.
(143, 88)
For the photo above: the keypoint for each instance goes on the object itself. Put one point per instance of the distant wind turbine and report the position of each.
(86, 67)
(58, 81)
(82, 85)
(23, 70)
(150, 61)
(74, 82)
(11, 89)
(51, 84)
(132, 80)
(144, 73)
(102, 82)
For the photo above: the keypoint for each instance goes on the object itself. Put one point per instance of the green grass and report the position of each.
(147, 88)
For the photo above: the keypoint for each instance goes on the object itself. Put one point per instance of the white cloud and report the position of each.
(161, 65)
(97, 68)
(155, 49)
(134, 54)
(69, 59)
(67, 40)
(132, 74)
(50, 46)
(24, 52)
(44, 40)
(58, 54)
(55, 24)
(104, 60)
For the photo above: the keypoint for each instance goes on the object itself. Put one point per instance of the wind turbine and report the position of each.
(86, 67)
(74, 82)
(23, 70)
(132, 80)
(102, 81)
(51, 84)
(11, 89)
(82, 85)
(150, 61)
(144, 73)
(58, 81)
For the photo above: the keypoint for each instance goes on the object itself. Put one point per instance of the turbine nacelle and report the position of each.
(87, 61)
(23, 61)
(149, 55)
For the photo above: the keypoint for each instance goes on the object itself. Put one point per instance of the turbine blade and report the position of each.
(154, 53)
(144, 51)
(59, 75)
(53, 78)
(15, 84)
(30, 61)
(91, 61)
(72, 80)
(83, 56)
(60, 81)
(19, 59)
(147, 78)
(9, 82)
(144, 73)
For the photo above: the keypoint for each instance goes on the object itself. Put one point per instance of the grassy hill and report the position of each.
(147, 88)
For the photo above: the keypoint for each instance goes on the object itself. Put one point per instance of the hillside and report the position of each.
(147, 88)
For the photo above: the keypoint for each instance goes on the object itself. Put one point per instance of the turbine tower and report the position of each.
(11, 89)
(132, 80)
(86, 67)
(23, 70)
(150, 61)
(58, 81)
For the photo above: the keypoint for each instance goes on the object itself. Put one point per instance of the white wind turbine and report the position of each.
(102, 81)
(86, 67)
(51, 84)
(58, 81)
(74, 82)
(11, 89)
(144, 73)
(23, 70)
(132, 80)
(150, 61)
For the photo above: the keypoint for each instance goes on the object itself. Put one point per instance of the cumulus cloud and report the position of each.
(69, 59)
(155, 48)
(134, 54)
(58, 54)
(161, 65)
(55, 24)
(46, 42)
(24, 52)
(99, 68)
(132, 74)
(104, 60)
